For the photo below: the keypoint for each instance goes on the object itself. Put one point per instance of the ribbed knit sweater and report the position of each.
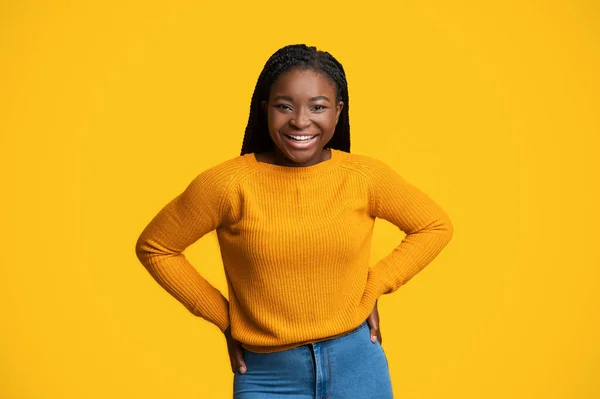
(295, 244)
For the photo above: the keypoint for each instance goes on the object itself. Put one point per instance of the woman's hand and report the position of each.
(236, 353)
(373, 322)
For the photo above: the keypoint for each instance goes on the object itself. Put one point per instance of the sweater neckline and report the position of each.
(322, 166)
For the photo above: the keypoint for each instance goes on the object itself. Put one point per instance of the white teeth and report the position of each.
(302, 138)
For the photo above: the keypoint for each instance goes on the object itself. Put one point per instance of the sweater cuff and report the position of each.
(375, 287)
(223, 325)
(219, 315)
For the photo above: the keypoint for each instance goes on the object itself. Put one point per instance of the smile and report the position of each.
(300, 141)
(300, 138)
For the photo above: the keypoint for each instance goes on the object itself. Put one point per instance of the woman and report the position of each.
(294, 215)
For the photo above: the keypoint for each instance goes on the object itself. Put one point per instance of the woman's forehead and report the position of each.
(303, 82)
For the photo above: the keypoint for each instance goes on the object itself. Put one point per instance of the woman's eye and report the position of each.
(287, 107)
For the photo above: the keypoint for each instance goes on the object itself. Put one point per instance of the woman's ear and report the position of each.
(339, 106)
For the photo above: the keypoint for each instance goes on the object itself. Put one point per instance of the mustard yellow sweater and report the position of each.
(295, 245)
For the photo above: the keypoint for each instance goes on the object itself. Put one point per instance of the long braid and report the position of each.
(256, 137)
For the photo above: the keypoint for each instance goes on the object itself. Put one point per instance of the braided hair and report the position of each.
(257, 138)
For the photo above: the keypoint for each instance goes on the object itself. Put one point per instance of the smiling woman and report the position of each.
(300, 92)
(302, 113)
(294, 215)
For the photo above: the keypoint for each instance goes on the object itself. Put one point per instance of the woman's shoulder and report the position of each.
(222, 173)
(366, 164)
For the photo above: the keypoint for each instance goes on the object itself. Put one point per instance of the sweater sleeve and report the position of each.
(185, 219)
(428, 229)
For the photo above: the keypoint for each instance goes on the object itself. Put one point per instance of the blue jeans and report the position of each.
(346, 367)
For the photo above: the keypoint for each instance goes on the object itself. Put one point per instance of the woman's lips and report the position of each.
(300, 144)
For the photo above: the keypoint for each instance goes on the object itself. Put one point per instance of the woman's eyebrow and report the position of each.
(287, 98)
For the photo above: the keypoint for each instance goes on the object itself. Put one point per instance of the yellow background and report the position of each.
(108, 110)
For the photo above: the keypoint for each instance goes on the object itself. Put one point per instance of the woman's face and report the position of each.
(302, 103)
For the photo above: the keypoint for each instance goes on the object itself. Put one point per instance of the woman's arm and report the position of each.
(428, 229)
(184, 220)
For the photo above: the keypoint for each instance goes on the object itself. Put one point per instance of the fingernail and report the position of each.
(242, 369)
(373, 338)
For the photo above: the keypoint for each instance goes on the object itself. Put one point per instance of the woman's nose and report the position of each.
(301, 119)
